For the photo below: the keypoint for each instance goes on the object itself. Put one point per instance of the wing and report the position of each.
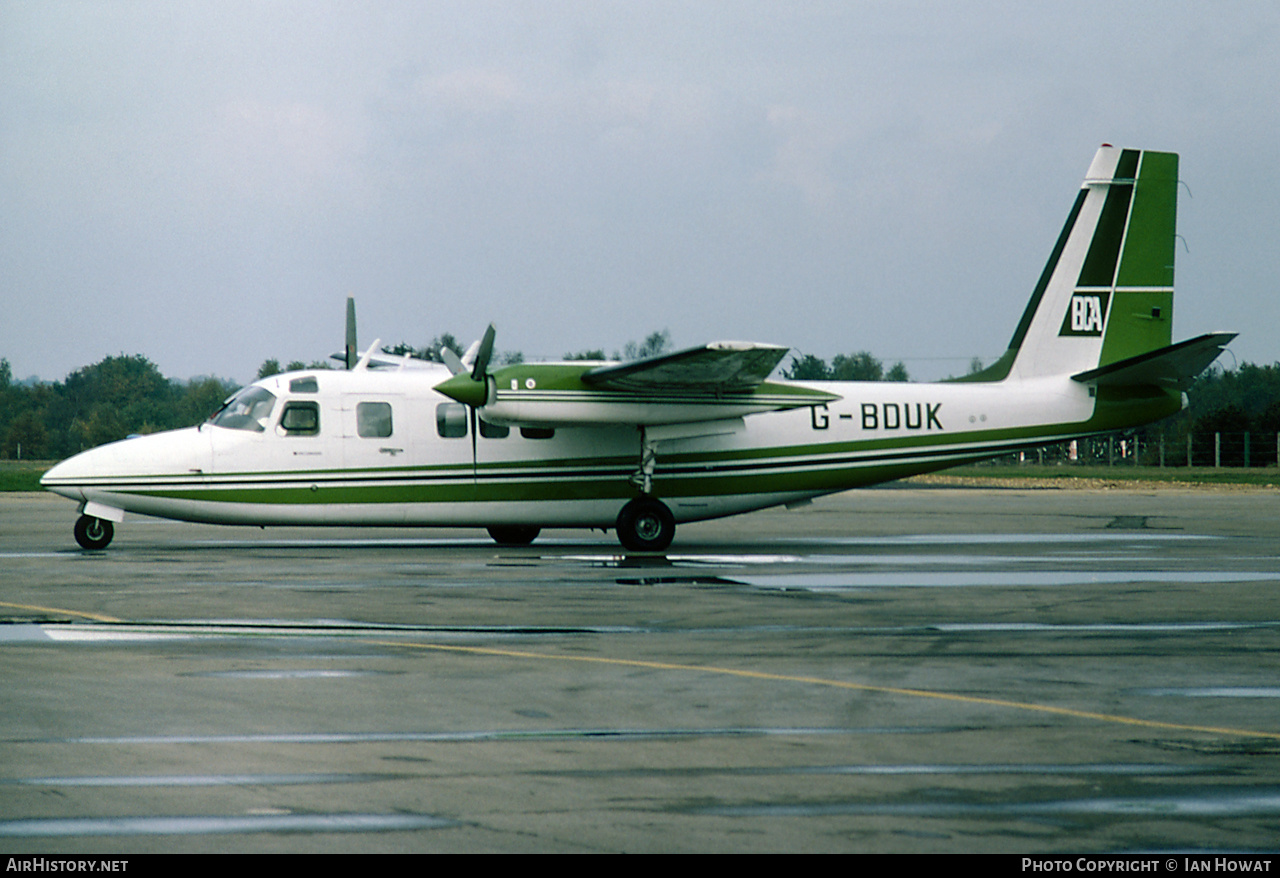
(716, 368)
(1174, 366)
(715, 382)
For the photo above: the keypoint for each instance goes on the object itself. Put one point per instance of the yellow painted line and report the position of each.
(843, 684)
(97, 617)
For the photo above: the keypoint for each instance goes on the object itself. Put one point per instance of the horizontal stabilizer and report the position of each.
(1174, 366)
(718, 367)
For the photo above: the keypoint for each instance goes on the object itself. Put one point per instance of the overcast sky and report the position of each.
(206, 183)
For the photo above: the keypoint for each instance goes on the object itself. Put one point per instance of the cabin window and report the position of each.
(537, 432)
(301, 418)
(249, 409)
(493, 431)
(451, 420)
(373, 419)
(306, 384)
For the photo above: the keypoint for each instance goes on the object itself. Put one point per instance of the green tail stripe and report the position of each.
(1099, 268)
(1050, 267)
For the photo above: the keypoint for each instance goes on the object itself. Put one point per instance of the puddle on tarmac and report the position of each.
(1232, 803)
(252, 823)
(291, 674)
(503, 735)
(848, 580)
(199, 780)
(1213, 691)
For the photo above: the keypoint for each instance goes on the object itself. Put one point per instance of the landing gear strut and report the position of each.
(93, 533)
(646, 525)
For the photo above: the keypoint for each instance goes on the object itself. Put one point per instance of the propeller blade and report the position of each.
(469, 355)
(368, 355)
(455, 364)
(350, 349)
(481, 368)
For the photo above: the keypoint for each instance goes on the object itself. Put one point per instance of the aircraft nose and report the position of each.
(66, 478)
(140, 459)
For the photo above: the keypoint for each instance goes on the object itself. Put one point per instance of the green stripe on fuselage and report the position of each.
(814, 467)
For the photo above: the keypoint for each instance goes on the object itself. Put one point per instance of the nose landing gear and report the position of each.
(93, 533)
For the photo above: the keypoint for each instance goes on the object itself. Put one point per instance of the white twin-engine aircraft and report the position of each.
(702, 433)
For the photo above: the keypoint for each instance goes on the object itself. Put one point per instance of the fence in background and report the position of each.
(1137, 449)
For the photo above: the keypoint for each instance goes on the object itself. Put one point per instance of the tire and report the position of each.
(514, 534)
(646, 525)
(93, 533)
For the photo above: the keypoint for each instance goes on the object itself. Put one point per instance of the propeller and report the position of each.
(375, 357)
(470, 388)
(349, 356)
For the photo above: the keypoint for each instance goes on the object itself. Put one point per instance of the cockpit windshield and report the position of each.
(250, 409)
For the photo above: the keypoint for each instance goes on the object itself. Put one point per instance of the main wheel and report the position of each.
(646, 525)
(93, 533)
(514, 534)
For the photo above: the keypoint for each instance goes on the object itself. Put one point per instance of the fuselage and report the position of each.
(380, 447)
(675, 437)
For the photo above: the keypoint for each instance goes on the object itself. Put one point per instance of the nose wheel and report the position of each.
(93, 533)
(646, 525)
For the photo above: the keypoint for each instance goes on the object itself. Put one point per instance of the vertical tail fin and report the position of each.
(1106, 293)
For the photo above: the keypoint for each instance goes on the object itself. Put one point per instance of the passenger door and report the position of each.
(375, 433)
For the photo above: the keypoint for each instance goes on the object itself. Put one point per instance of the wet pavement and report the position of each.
(900, 669)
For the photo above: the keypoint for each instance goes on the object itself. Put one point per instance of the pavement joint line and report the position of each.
(97, 617)
(766, 675)
(842, 684)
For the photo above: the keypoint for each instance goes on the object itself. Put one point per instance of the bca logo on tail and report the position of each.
(1086, 314)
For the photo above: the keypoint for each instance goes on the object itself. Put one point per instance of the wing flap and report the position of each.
(1174, 366)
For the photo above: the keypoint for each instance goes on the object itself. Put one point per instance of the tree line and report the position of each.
(122, 395)
(109, 400)
(1232, 403)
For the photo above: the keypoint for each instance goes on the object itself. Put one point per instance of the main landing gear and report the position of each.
(646, 525)
(513, 534)
(93, 533)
